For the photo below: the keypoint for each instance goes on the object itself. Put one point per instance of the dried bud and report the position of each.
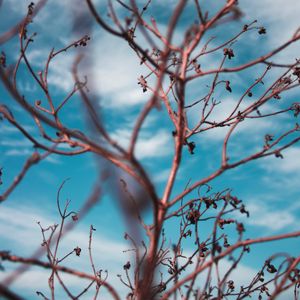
(77, 251)
(143, 83)
(296, 108)
(3, 59)
(270, 268)
(127, 266)
(268, 138)
(228, 52)
(193, 216)
(222, 222)
(296, 72)
(75, 217)
(262, 30)
(244, 211)
(228, 88)
(188, 233)
(191, 147)
(226, 244)
(83, 41)
(278, 154)
(230, 285)
(30, 8)
(1, 173)
(240, 228)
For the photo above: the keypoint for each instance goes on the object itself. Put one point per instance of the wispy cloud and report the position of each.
(281, 19)
(149, 144)
(115, 77)
(18, 152)
(290, 164)
(7, 129)
(21, 234)
(283, 174)
(268, 217)
(15, 143)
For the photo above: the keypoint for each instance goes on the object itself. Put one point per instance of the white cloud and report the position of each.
(283, 174)
(10, 129)
(161, 176)
(21, 234)
(290, 164)
(266, 216)
(115, 73)
(23, 227)
(59, 77)
(149, 144)
(281, 19)
(18, 152)
(15, 143)
(281, 16)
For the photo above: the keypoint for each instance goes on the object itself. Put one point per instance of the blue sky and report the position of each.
(268, 187)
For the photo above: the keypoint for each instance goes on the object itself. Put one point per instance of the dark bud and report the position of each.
(223, 222)
(228, 52)
(143, 83)
(230, 285)
(226, 244)
(228, 88)
(75, 217)
(30, 8)
(244, 211)
(240, 228)
(262, 30)
(247, 249)
(1, 173)
(276, 96)
(3, 59)
(193, 216)
(261, 276)
(271, 268)
(296, 108)
(188, 233)
(296, 72)
(269, 138)
(250, 94)
(83, 41)
(170, 271)
(278, 154)
(127, 266)
(191, 147)
(77, 251)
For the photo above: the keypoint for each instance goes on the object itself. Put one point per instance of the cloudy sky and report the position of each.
(269, 187)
